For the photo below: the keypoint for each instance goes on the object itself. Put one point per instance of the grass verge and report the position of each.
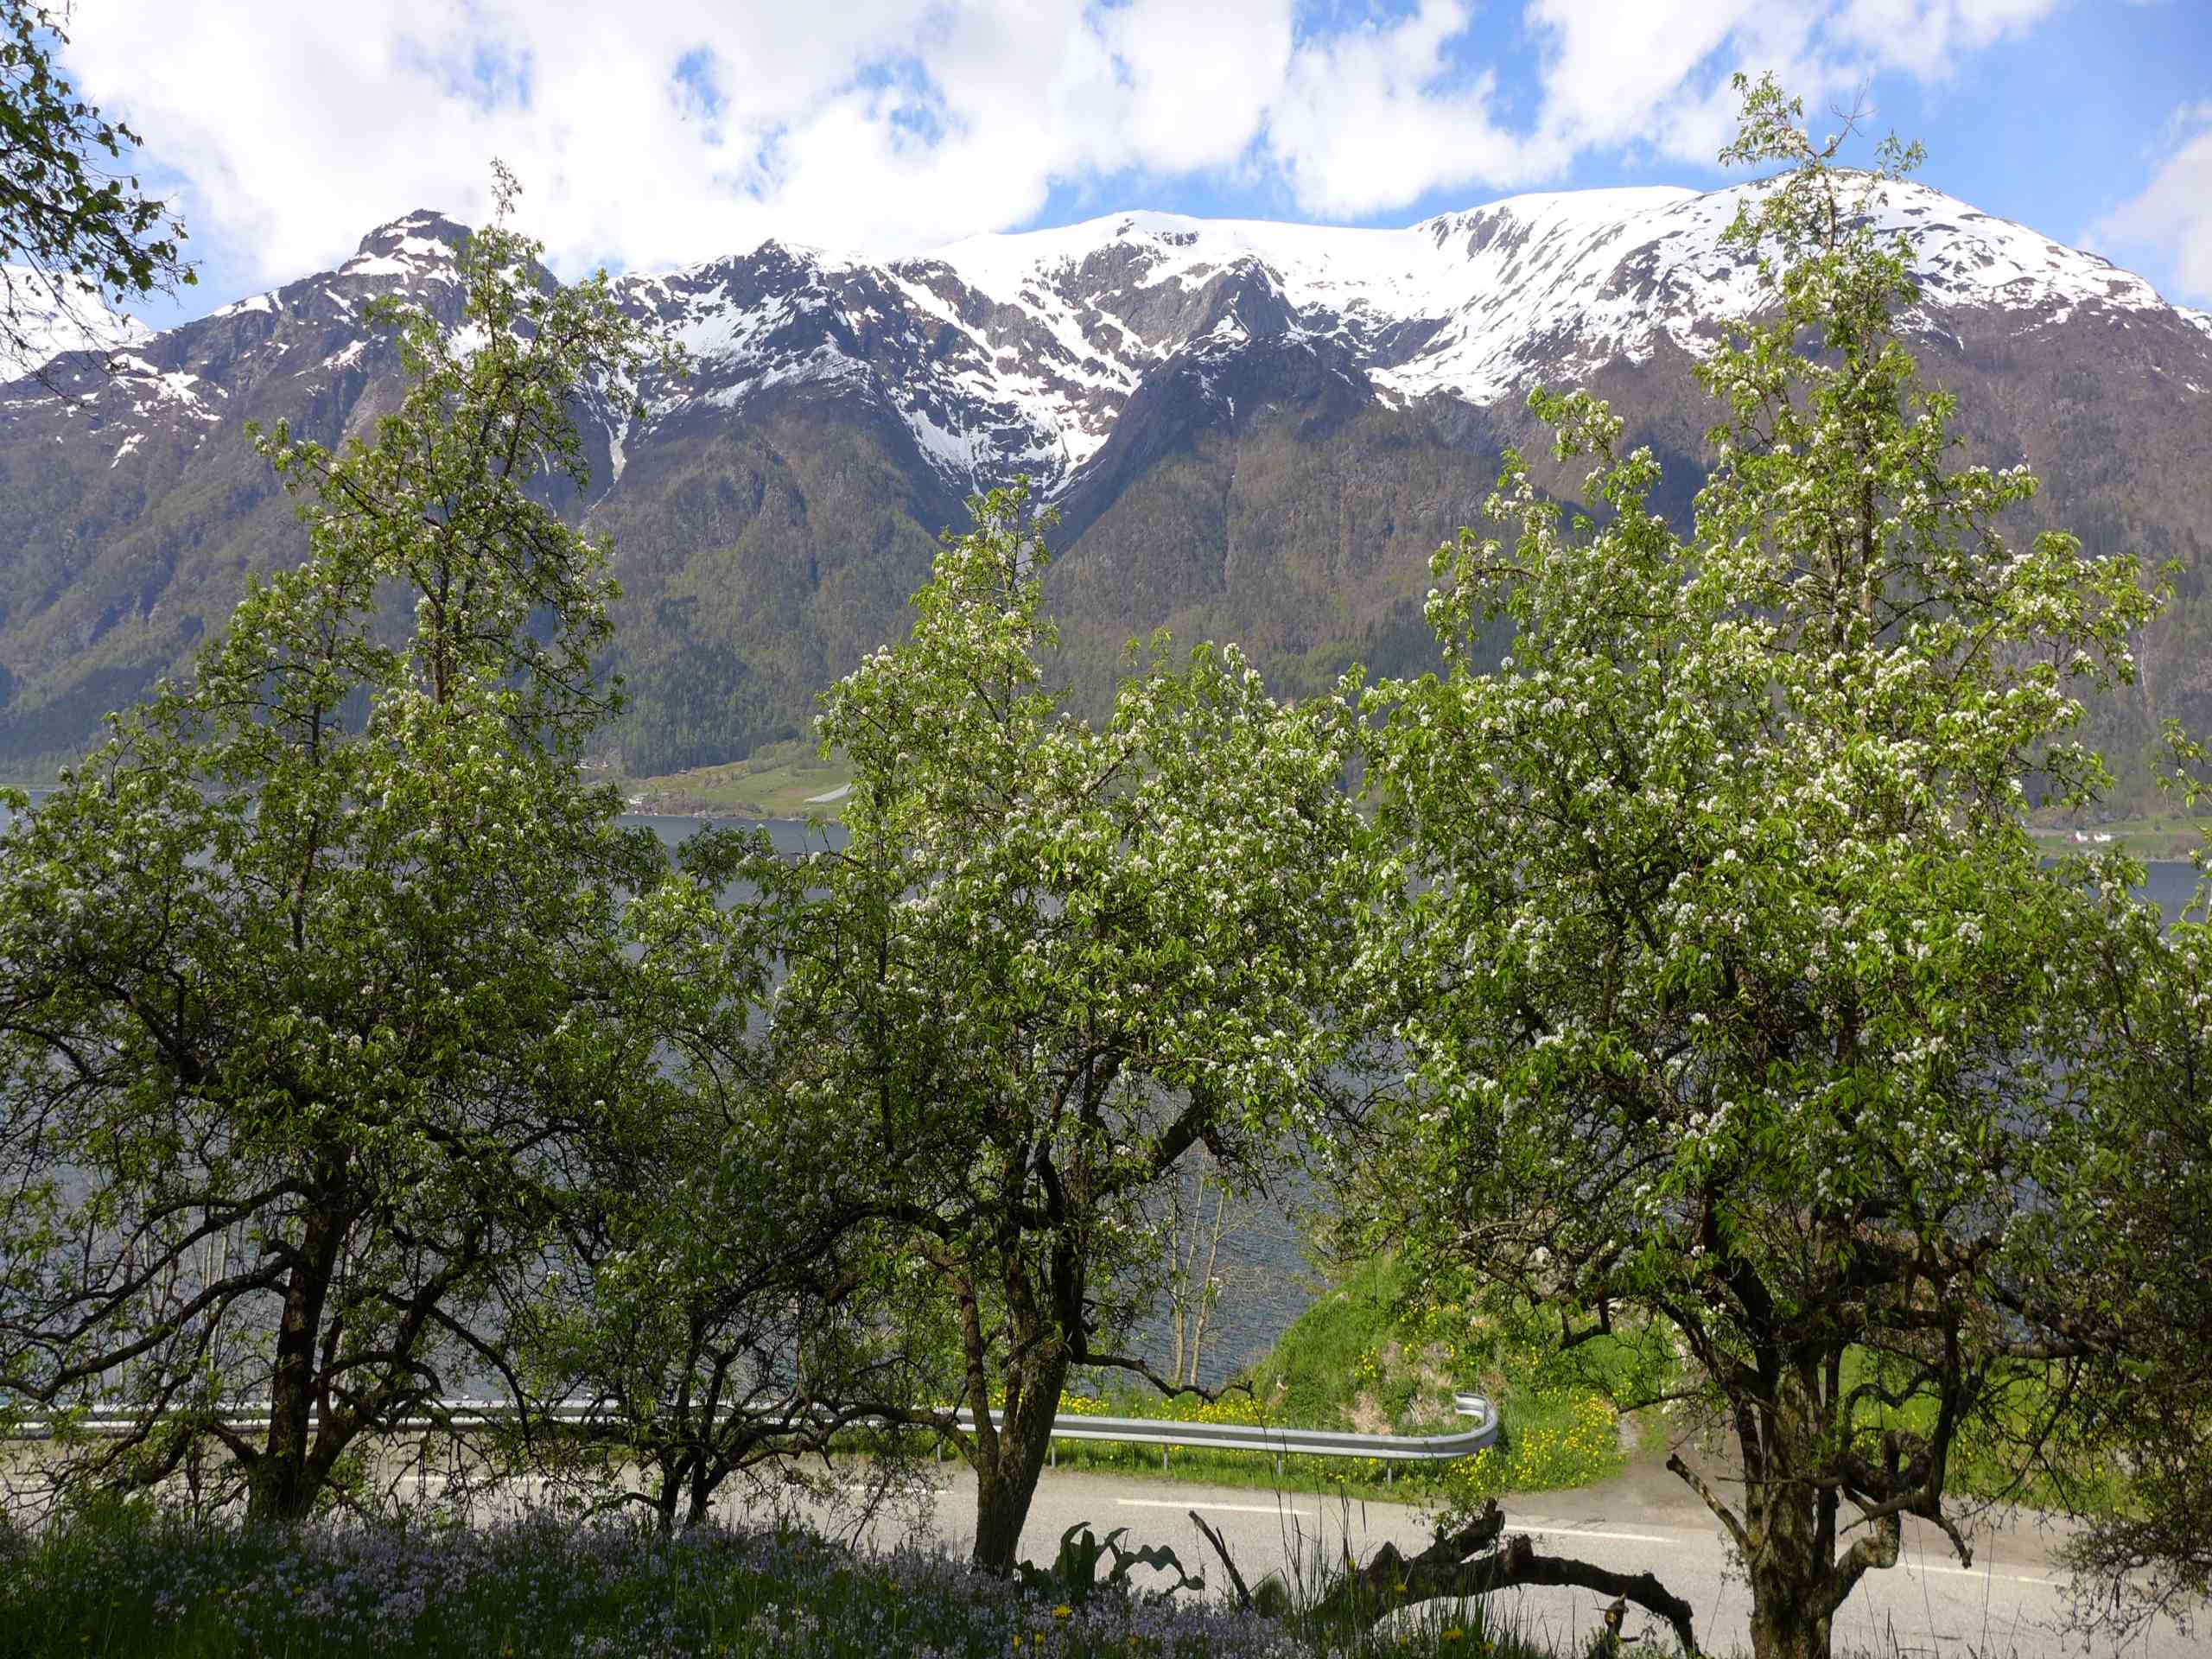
(137, 1583)
(1370, 1357)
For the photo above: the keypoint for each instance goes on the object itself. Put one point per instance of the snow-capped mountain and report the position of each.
(1256, 431)
(1005, 353)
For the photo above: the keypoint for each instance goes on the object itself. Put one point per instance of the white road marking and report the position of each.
(1233, 1508)
(1980, 1573)
(1581, 1532)
(1648, 1538)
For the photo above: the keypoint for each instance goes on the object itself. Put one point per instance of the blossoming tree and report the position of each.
(1731, 982)
(1052, 962)
(315, 976)
(2123, 1258)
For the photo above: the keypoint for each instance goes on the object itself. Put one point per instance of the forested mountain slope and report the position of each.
(1254, 431)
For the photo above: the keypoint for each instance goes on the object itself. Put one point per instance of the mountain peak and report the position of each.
(421, 235)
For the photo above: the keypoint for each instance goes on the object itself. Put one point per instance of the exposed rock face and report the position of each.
(1254, 431)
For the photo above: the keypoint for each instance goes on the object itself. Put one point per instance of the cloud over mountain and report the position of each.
(2172, 214)
(660, 135)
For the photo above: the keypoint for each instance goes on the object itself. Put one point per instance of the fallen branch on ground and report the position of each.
(1464, 1564)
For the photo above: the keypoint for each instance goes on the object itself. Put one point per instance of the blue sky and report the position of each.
(2056, 126)
(655, 134)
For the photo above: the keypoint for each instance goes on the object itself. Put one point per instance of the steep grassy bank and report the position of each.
(1375, 1355)
(1368, 1357)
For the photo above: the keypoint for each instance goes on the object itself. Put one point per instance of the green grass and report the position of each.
(2159, 836)
(774, 782)
(1371, 1357)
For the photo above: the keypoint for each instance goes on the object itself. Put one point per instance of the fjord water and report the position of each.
(2171, 885)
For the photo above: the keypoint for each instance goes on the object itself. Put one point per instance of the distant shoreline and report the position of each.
(2154, 842)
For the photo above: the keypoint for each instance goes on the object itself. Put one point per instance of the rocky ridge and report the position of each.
(1018, 353)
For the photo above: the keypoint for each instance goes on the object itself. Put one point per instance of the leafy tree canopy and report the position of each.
(318, 979)
(1052, 962)
(75, 237)
(1733, 988)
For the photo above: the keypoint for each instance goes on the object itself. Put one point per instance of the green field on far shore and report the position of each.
(777, 781)
(782, 780)
(2160, 836)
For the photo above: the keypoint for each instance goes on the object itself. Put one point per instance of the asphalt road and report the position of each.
(2011, 1601)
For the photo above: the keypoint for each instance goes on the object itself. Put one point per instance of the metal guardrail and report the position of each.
(114, 1423)
(1389, 1450)
(1303, 1442)
(1166, 1434)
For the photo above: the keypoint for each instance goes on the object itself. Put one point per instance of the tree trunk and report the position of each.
(703, 1480)
(282, 1486)
(1783, 1625)
(1006, 1480)
(671, 1495)
(1794, 1574)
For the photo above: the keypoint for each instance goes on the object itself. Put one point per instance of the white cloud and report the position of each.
(2172, 215)
(661, 132)
(1613, 65)
(1199, 77)
(1371, 116)
(1654, 73)
(1927, 37)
